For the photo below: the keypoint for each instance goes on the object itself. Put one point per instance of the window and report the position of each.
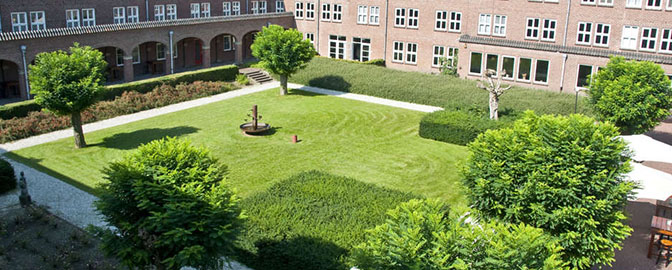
(279, 6)
(606, 2)
(492, 63)
(19, 21)
(438, 53)
(583, 78)
(413, 17)
(119, 15)
(629, 39)
(524, 69)
(411, 53)
(362, 14)
(37, 20)
(262, 7)
(548, 30)
(160, 51)
(484, 21)
(455, 22)
(374, 15)
(337, 46)
(441, 22)
(476, 63)
(120, 57)
(338, 12)
(583, 33)
(602, 34)
(72, 18)
(588, 2)
(226, 9)
(310, 11)
(205, 10)
(311, 37)
(398, 52)
(499, 26)
(669, 5)
(235, 8)
(136, 55)
(666, 41)
(508, 67)
(255, 7)
(649, 36)
(450, 57)
(227, 43)
(361, 48)
(532, 28)
(400, 17)
(541, 72)
(88, 17)
(654, 4)
(195, 10)
(633, 3)
(326, 12)
(160, 12)
(133, 16)
(298, 10)
(171, 12)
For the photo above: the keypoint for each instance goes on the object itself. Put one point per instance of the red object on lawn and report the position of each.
(295, 139)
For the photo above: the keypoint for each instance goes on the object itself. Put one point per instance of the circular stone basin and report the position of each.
(248, 128)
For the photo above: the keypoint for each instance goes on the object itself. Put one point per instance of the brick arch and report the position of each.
(247, 40)
(222, 48)
(192, 51)
(11, 79)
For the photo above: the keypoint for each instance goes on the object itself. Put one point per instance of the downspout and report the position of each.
(387, 14)
(172, 58)
(247, 6)
(147, 10)
(564, 38)
(317, 17)
(562, 75)
(25, 71)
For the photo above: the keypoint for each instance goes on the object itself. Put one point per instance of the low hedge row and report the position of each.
(459, 126)
(40, 122)
(222, 73)
(312, 221)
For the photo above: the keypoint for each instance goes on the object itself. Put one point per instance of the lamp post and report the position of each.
(576, 99)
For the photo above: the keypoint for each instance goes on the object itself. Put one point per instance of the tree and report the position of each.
(282, 52)
(425, 234)
(495, 89)
(67, 84)
(634, 95)
(170, 207)
(563, 174)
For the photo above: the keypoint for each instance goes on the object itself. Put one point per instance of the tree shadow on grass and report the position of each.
(331, 82)
(298, 252)
(131, 140)
(35, 164)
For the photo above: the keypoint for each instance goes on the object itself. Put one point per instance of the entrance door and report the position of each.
(199, 52)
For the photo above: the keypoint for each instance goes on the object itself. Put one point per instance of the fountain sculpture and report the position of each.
(254, 127)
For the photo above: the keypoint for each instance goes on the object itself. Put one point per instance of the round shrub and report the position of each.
(633, 95)
(171, 207)
(424, 234)
(7, 177)
(565, 175)
(457, 127)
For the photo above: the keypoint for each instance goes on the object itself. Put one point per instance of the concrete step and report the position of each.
(257, 76)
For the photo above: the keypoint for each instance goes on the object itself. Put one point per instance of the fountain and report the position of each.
(254, 127)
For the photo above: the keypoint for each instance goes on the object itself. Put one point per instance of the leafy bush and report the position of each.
(18, 109)
(565, 175)
(130, 102)
(7, 176)
(312, 221)
(241, 79)
(170, 207)
(634, 95)
(424, 234)
(376, 62)
(458, 127)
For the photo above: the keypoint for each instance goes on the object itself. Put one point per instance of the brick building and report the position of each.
(139, 38)
(548, 44)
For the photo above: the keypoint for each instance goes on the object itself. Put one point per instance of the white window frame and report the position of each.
(230, 42)
(484, 24)
(326, 12)
(666, 41)
(263, 7)
(607, 3)
(398, 54)
(133, 14)
(588, 2)
(310, 11)
(412, 18)
(195, 10)
(364, 47)
(533, 31)
(226, 9)
(632, 39)
(471, 62)
(40, 23)
(298, 10)
(235, 8)
(652, 38)
(119, 15)
(159, 47)
(653, 6)
(669, 5)
(119, 55)
(455, 22)
(441, 20)
(587, 35)
(340, 43)
(548, 71)
(362, 14)
(438, 52)
(72, 18)
(633, 4)
(578, 72)
(529, 72)
(160, 12)
(374, 15)
(451, 53)
(310, 37)
(19, 21)
(513, 72)
(205, 10)
(602, 35)
(135, 54)
(499, 25)
(171, 12)
(337, 13)
(549, 29)
(411, 53)
(399, 17)
(279, 6)
(88, 17)
(255, 7)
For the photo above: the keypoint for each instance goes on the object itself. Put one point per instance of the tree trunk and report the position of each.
(494, 106)
(76, 120)
(283, 84)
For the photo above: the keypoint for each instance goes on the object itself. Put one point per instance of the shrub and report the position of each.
(18, 109)
(633, 95)
(130, 102)
(312, 221)
(376, 62)
(170, 207)
(458, 127)
(424, 234)
(7, 177)
(241, 79)
(565, 175)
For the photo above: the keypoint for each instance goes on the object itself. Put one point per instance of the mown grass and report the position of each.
(372, 143)
(437, 90)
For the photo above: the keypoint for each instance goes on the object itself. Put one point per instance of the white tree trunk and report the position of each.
(494, 106)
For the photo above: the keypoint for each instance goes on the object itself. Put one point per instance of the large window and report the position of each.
(362, 14)
(629, 39)
(135, 54)
(119, 15)
(398, 52)
(499, 26)
(263, 9)
(548, 30)
(532, 28)
(455, 21)
(361, 49)
(666, 41)
(160, 12)
(171, 12)
(654, 4)
(441, 22)
(602, 34)
(205, 10)
(298, 10)
(476, 64)
(541, 71)
(37, 20)
(19, 22)
(374, 16)
(310, 10)
(450, 57)
(326, 12)
(337, 46)
(255, 7)
(438, 53)
(400, 17)
(584, 33)
(411, 53)
(413, 17)
(133, 15)
(524, 69)
(120, 57)
(492, 63)
(235, 8)
(583, 78)
(633, 3)
(338, 12)
(484, 24)
(310, 37)
(72, 18)
(227, 43)
(195, 9)
(88, 17)
(508, 67)
(648, 41)
(226, 8)
(160, 51)
(279, 6)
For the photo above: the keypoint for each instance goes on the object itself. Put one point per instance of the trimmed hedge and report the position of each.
(222, 73)
(312, 221)
(460, 126)
(7, 177)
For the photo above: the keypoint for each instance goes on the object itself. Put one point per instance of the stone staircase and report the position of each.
(256, 76)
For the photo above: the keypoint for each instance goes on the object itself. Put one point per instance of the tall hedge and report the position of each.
(566, 175)
(7, 176)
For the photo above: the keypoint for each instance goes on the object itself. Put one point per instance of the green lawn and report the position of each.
(368, 142)
(436, 90)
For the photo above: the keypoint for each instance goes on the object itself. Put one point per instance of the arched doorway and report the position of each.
(10, 88)
(189, 53)
(248, 39)
(222, 49)
(115, 63)
(151, 59)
